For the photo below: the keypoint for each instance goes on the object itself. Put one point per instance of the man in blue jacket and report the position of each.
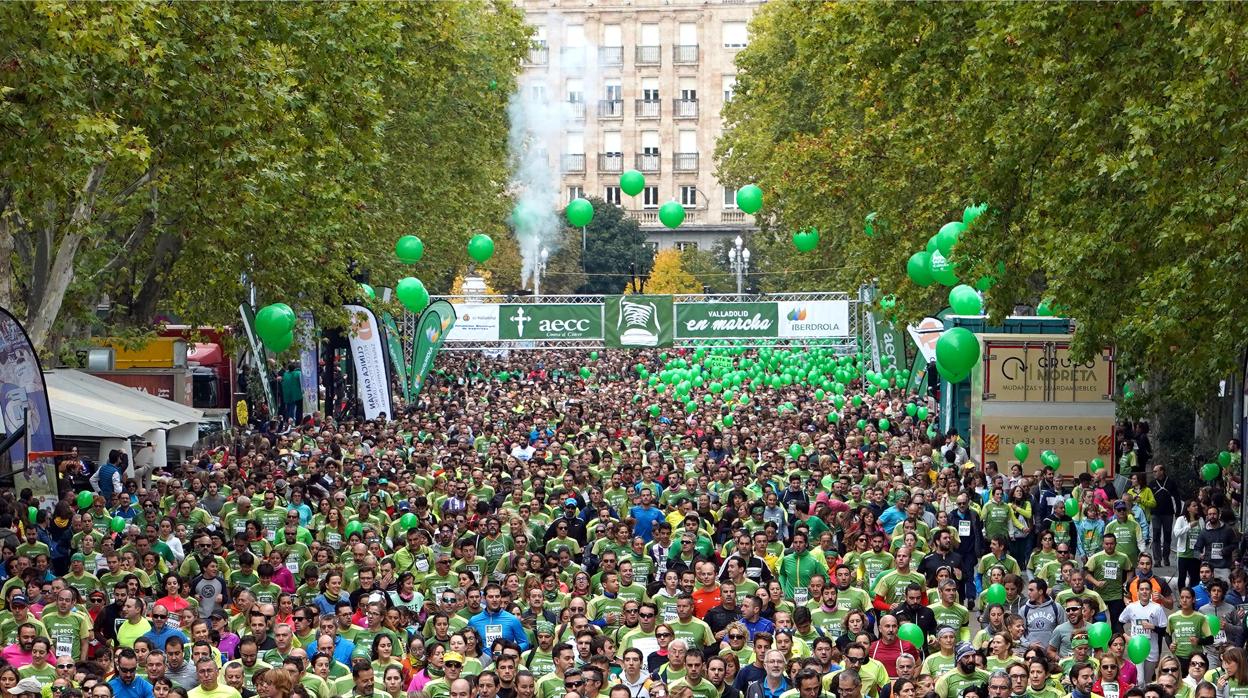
(493, 622)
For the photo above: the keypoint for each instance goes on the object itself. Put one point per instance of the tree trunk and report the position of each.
(7, 250)
(45, 308)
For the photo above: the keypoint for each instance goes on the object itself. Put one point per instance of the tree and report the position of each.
(615, 244)
(167, 156)
(669, 276)
(1108, 140)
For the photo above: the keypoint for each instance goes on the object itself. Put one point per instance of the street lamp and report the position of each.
(739, 260)
(542, 258)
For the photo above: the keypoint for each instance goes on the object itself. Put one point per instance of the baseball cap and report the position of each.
(452, 657)
(27, 685)
(18, 600)
(77, 557)
(1120, 506)
(569, 502)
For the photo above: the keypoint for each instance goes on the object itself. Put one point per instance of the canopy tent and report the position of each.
(86, 407)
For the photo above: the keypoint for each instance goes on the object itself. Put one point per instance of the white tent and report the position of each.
(90, 408)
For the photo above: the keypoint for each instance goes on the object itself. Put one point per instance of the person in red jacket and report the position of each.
(706, 594)
(889, 647)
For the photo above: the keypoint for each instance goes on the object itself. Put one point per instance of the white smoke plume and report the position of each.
(538, 121)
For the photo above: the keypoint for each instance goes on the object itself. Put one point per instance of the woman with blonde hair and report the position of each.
(275, 683)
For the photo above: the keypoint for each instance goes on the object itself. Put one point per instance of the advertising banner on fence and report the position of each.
(372, 381)
(475, 322)
(432, 329)
(24, 400)
(550, 321)
(813, 319)
(713, 320)
(638, 321)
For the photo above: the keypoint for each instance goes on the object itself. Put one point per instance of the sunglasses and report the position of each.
(662, 634)
(647, 615)
(1073, 610)
(1171, 670)
(1195, 663)
(453, 664)
(736, 636)
(158, 616)
(70, 665)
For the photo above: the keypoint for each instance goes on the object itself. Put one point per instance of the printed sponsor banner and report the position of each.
(395, 347)
(475, 322)
(550, 321)
(713, 320)
(432, 329)
(1043, 371)
(887, 342)
(638, 321)
(24, 400)
(258, 355)
(1076, 440)
(308, 364)
(925, 335)
(372, 381)
(813, 319)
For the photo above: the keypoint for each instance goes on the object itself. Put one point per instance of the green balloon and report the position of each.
(970, 213)
(632, 182)
(833, 418)
(593, 356)
(868, 225)
(1215, 623)
(32, 515)
(795, 450)
(918, 267)
(995, 593)
(579, 212)
(957, 352)
(407, 521)
(884, 425)
(1099, 635)
(353, 528)
(412, 294)
(85, 499)
(750, 199)
(806, 240)
(922, 413)
(274, 320)
(911, 633)
(1072, 507)
(672, 214)
(839, 401)
(727, 420)
(1096, 465)
(1051, 460)
(368, 290)
(279, 344)
(1210, 472)
(1224, 459)
(911, 409)
(480, 247)
(585, 372)
(931, 245)
(948, 236)
(1045, 309)
(691, 406)
(964, 300)
(655, 410)
(984, 283)
(862, 424)
(409, 249)
(1139, 647)
(943, 270)
(1021, 451)
(117, 524)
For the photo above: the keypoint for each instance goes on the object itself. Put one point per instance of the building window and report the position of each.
(576, 91)
(614, 90)
(730, 86)
(688, 195)
(652, 246)
(684, 245)
(611, 195)
(537, 92)
(730, 198)
(650, 197)
(735, 35)
(576, 192)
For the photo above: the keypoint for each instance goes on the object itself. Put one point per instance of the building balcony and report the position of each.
(649, 55)
(732, 216)
(575, 110)
(648, 108)
(539, 54)
(610, 55)
(650, 216)
(610, 109)
(685, 162)
(685, 55)
(648, 162)
(574, 162)
(685, 108)
(610, 162)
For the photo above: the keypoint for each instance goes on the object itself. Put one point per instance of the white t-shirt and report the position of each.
(1136, 613)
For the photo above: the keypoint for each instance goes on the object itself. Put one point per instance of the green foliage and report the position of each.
(155, 151)
(668, 275)
(1108, 140)
(613, 242)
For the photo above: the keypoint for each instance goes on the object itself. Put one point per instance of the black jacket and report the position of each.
(921, 616)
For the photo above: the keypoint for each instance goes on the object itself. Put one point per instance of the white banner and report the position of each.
(309, 381)
(475, 322)
(925, 335)
(369, 356)
(813, 319)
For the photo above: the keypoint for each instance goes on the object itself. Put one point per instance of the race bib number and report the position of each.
(333, 539)
(1137, 628)
(801, 595)
(173, 621)
(1110, 690)
(1110, 570)
(641, 578)
(293, 567)
(270, 536)
(64, 647)
(422, 564)
(1215, 551)
(964, 528)
(492, 633)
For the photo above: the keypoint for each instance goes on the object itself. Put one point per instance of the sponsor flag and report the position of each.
(395, 348)
(372, 381)
(431, 331)
(638, 321)
(24, 400)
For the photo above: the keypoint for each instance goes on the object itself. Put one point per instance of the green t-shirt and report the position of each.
(892, 585)
(874, 564)
(831, 625)
(702, 689)
(953, 683)
(1183, 627)
(67, 632)
(1112, 570)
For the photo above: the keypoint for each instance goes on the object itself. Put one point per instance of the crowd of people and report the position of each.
(532, 529)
